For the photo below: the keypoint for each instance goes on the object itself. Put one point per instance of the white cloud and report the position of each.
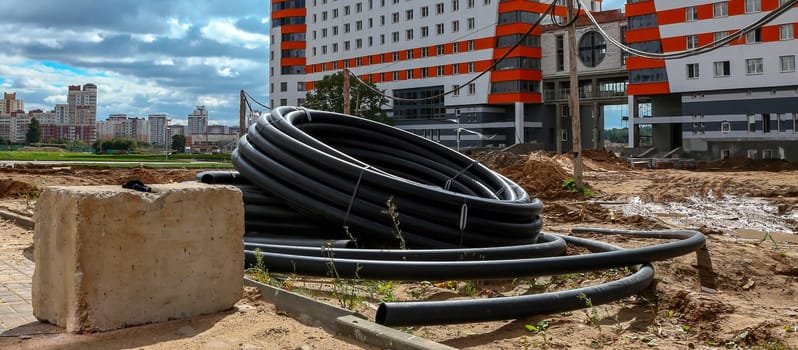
(164, 62)
(224, 31)
(226, 72)
(55, 99)
(212, 101)
(177, 30)
(145, 38)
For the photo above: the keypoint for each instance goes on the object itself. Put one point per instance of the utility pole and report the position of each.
(346, 91)
(242, 114)
(573, 101)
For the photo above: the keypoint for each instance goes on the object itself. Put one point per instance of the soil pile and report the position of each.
(605, 159)
(541, 177)
(499, 159)
(15, 189)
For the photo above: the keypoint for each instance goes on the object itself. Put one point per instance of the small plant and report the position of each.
(385, 290)
(468, 289)
(539, 329)
(344, 290)
(393, 211)
(769, 237)
(669, 313)
(686, 328)
(569, 184)
(593, 315)
(790, 329)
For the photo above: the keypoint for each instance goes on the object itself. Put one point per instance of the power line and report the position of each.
(699, 50)
(550, 9)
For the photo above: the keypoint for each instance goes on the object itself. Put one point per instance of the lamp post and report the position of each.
(458, 129)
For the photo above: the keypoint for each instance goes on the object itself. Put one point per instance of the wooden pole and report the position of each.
(346, 91)
(573, 101)
(242, 114)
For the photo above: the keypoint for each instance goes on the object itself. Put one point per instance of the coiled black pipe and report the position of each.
(286, 156)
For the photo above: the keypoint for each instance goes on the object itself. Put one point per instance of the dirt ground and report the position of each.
(750, 218)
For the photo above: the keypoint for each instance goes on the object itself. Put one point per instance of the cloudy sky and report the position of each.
(146, 56)
(149, 56)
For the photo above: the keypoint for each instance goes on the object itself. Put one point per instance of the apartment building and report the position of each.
(420, 49)
(197, 121)
(11, 104)
(739, 100)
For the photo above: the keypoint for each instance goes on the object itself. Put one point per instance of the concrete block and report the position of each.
(108, 257)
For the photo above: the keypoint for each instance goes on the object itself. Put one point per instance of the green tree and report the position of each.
(364, 99)
(616, 135)
(179, 143)
(34, 134)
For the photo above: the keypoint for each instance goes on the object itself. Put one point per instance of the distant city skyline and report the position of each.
(144, 56)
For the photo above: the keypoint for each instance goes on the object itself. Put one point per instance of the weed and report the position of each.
(344, 290)
(593, 315)
(468, 289)
(769, 237)
(686, 328)
(393, 211)
(569, 184)
(385, 290)
(539, 328)
(790, 329)
(669, 313)
(418, 293)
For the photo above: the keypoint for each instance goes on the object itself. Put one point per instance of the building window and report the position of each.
(424, 31)
(455, 26)
(725, 127)
(720, 9)
(456, 90)
(347, 27)
(440, 49)
(409, 74)
(471, 67)
(470, 3)
(691, 13)
(471, 45)
(692, 71)
(283, 86)
(346, 45)
(424, 72)
(283, 102)
(754, 36)
(786, 32)
(751, 123)
(455, 68)
(722, 69)
(359, 44)
(692, 41)
(592, 49)
(470, 23)
(359, 25)
(472, 88)
(346, 10)
(563, 135)
(335, 13)
(395, 56)
(424, 52)
(439, 8)
(409, 34)
(787, 63)
(409, 15)
(409, 54)
(425, 11)
(752, 153)
(560, 42)
(754, 66)
(439, 28)
(396, 75)
(455, 5)
(767, 154)
(300, 86)
(395, 36)
(783, 118)
(717, 36)
(335, 30)
(752, 6)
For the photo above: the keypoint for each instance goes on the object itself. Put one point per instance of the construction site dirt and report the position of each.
(750, 218)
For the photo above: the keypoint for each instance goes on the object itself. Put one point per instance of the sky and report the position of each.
(145, 56)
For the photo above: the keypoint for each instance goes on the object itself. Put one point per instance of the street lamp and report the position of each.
(459, 129)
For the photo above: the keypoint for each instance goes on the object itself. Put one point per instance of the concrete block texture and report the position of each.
(108, 257)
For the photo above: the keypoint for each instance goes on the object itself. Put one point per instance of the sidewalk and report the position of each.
(16, 276)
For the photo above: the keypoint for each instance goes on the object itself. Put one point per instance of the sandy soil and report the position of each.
(755, 304)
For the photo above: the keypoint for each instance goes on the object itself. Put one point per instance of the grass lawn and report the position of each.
(151, 160)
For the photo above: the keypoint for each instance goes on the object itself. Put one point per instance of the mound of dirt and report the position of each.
(499, 159)
(15, 189)
(606, 159)
(541, 177)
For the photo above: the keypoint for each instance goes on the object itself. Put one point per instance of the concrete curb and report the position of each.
(19, 220)
(341, 321)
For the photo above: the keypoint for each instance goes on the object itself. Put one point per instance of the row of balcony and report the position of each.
(584, 92)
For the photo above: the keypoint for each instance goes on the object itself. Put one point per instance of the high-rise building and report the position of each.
(158, 125)
(420, 49)
(82, 112)
(738, 100)
(197, 121)
(11, 104)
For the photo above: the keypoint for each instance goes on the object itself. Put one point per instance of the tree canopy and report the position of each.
(34, 134)
(179, 143)
(364, 99)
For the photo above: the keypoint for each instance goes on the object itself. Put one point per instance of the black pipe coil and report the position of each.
(307, 174)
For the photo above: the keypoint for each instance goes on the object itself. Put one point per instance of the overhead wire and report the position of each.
(714, 45)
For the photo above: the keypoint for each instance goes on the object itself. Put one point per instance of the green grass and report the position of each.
(77, 157)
